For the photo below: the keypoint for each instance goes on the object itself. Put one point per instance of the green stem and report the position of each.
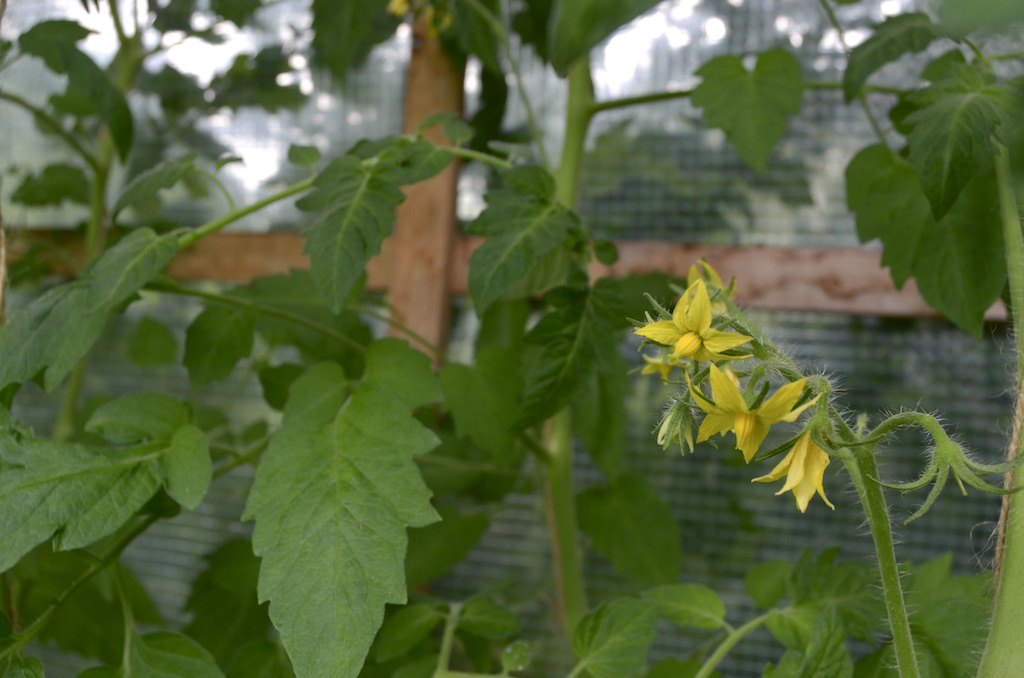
(127, 614)
(1004, 653)
(561, 509)
(734, 637)
(213, 179)
(470, 154)
(862, 469)
(177, 288)
(579, 109)
(94, 568)
(219, 223)
(251, 453)
(64, 427)
(608, 105)
(444, 656)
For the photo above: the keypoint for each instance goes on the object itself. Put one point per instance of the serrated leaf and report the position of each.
(152, 344)
(148, 183)
(54, 42)
(750, 107)
(483, 399)
(523, 222)
(826, 655)
(765, 583)
(127, 266)
(60, 327)
(55, 184)
(138, 417)
(688, 605)
(474, 34)
(215, 341)
(612, 641)
(358, 212)
(436, 548)
(186, 467)
(577, 337)
(169, 654)
(952, 137)
(226, 613)
(630, 524)
(332, 499)
(576, 26)
(958, 261)
(481, 616)
(892, 38)
(253, 80)
(74, 493)
(403, 371)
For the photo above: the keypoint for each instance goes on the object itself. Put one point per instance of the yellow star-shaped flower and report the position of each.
(662, 365)
(804, 468)
(689, 333)
(730, 412)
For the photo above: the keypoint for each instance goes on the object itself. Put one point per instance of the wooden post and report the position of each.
(420, 250)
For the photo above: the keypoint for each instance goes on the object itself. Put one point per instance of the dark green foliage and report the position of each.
(892, 39)
(54, 185)
(634, 528)
(216, 340)
(575, 26)
(612, 641)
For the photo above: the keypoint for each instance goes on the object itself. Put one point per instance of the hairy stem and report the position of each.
(1004, 653)
(561, 508)
(863, 470)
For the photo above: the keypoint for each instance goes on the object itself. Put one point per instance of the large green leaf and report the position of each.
(628, 522)
(952, 140)
(580, 334)
(826, 655)
(688, 605)
(524, 222)
(750, 107)
(576, 26)
(60, 327)
(612, 641)
(599, 419)
(332, 499)
(21, 667)
(54, 42)
(358, 204)
(892, 38)
(957, 261)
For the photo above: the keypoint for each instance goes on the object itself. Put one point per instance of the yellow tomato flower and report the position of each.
(398, 7)
(804, 468)
(730, 412)
(703, 271)
(661, 364)
(689, 333)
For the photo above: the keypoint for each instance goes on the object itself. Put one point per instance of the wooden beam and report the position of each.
(774, 278)
(419, 252)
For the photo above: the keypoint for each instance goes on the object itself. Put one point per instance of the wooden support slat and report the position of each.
(772, 278)
(419, 252)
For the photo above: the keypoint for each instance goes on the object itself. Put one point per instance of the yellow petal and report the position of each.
(781, 403)
(688, 345)
(796, 413)
(780, 470)
(662, 331)
(715, 422)
(698, 310)
(727, 396)
(749, 443)
(718, 341)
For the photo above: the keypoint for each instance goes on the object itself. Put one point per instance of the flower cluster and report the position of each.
(697, 331)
